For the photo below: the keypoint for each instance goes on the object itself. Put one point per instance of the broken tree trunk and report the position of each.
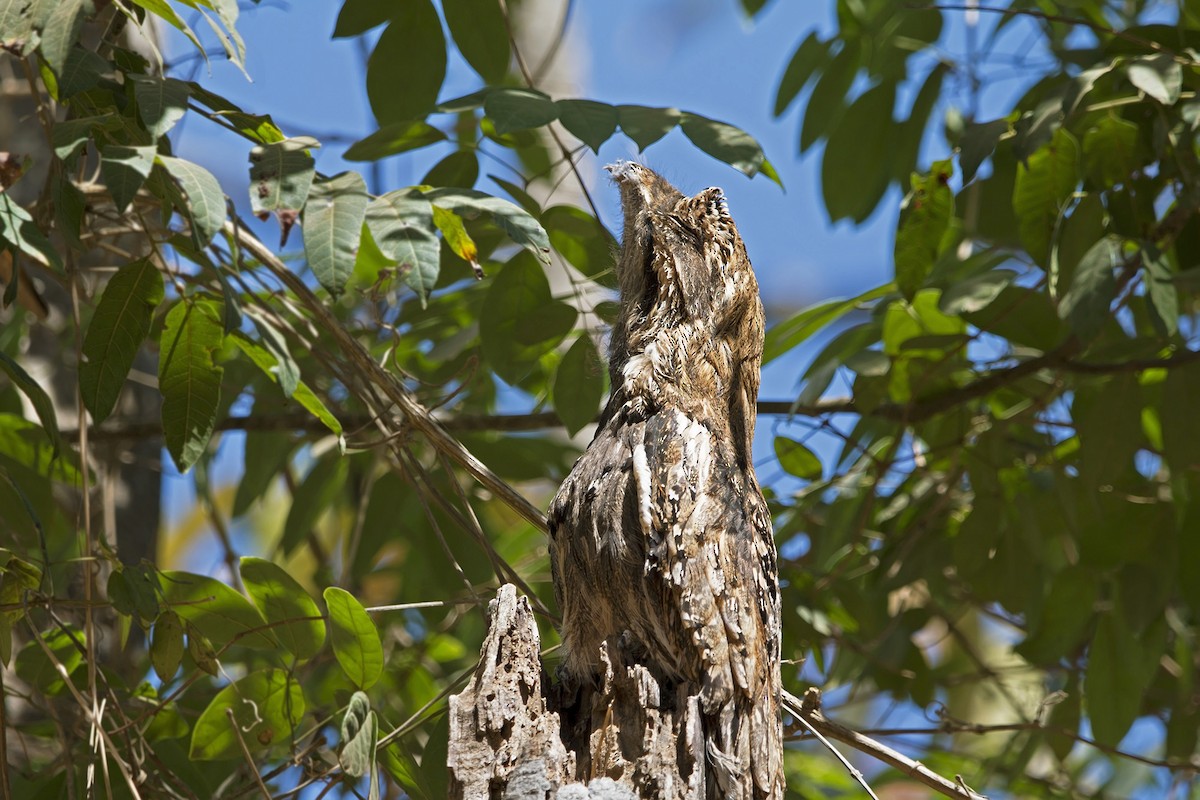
(516, 735)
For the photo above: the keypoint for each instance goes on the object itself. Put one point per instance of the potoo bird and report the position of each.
(660, 533)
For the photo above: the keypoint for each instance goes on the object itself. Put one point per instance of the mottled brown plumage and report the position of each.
(660, 533)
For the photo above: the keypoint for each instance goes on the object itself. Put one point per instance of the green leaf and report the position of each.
(161, 102)
(37, 669)
(268, 362)
(267, 706)
(859, 146)
(1110, 151)
(1160, 76)
(166, 645)
(281, 174)
(907, 151)
(355, 638)
(590, 122)
(828, 99)
(520, 321)
(519, 109)
(189, 378)
(457, 239)
(124, 170)
(281, 599)
(83, 70)
(1077, 233)
(38, 398)
(1042, 187)
(808, 56)
(797, 459)
(1066, 613)
(583, 241)
(116, 332)
(333, 219)
(579, 385)
(219, 613)
(61, 30)
(134, 590)
(1160, 289)
(407, 66)
(70, 136)
(255, 127)
(312, 498)
(460, 168)
(1181, 426)
(977, 143)
(401, 223)
(520, 226)
(1116, 678)
(924, 217)
(481, 35)
(975, 293)
(359, 16)
(1085, 306)
(201, 651)
(162, 9)
(205, 200)
(790, 333)
(359, 733)
(18, 229)
(266, 454)
(523, 198)
(724, 142)
(647, 125)
(399, 137)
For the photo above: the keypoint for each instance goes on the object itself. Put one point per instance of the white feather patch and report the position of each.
(641, 477)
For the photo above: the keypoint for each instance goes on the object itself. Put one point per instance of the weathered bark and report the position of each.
(517, 735)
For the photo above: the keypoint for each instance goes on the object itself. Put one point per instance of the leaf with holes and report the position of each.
(281, 173)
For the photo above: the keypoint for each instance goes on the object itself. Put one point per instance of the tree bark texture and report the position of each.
(516, 735)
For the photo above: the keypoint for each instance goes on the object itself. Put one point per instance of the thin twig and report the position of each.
(809, 709)
(237, 733)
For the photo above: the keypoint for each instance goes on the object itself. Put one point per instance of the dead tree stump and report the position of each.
(516, 735)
